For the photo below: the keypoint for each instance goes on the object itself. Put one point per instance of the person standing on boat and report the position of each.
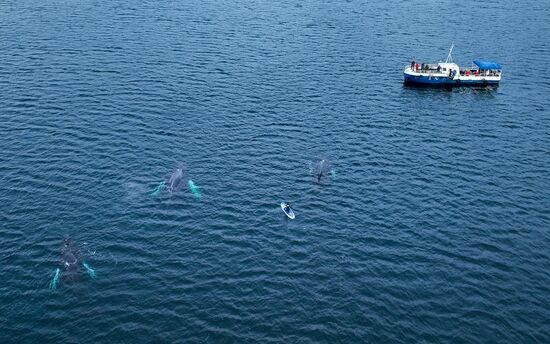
(412, 65)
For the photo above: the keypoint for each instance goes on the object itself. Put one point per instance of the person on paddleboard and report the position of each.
(287, 206)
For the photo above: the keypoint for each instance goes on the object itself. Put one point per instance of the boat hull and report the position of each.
(434, 81)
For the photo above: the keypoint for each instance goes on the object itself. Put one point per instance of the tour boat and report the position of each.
(447, 73)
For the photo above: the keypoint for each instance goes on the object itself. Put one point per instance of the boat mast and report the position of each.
(450, 57)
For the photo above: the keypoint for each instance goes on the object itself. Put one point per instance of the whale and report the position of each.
(322, 168)
(70, 265)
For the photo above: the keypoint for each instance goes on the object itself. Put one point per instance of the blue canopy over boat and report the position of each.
(487, 64)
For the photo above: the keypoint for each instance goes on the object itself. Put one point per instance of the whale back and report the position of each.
(175, 180)
(70, 261)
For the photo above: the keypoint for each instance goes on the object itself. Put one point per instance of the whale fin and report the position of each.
(55, 279)
(158, 189)
(194, 189)
(89, 270)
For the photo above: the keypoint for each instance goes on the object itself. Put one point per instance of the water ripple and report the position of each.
(432, 227)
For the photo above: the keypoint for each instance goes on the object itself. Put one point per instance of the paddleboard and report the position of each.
(288, 213)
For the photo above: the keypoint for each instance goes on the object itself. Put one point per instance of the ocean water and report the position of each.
(434, 226)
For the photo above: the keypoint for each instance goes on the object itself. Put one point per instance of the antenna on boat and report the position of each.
(450, 57)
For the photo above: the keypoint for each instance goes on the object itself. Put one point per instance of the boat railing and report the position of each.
(478, 72)
(433, 69)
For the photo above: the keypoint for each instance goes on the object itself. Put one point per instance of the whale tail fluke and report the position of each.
(89, 270)
(55, 279)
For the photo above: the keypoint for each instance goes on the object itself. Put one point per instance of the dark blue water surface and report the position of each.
(433, 228)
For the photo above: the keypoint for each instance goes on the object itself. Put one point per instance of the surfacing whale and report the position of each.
(71, 264)
(322, 168)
